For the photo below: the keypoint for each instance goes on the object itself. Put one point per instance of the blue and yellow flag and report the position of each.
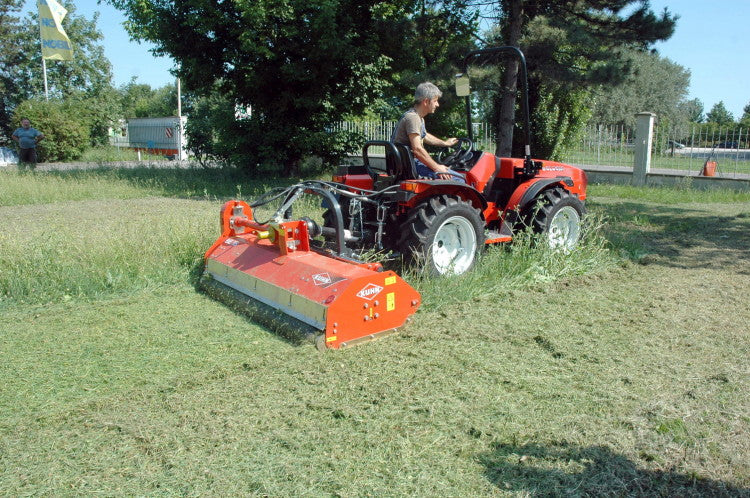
(55, 43)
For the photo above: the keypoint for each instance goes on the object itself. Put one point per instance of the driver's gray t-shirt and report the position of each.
(409, 124)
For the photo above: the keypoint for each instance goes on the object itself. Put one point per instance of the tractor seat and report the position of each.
(400, 163)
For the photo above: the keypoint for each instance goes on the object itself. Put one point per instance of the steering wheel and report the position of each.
(462, 151)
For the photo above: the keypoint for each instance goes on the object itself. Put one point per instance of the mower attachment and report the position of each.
(345, 301)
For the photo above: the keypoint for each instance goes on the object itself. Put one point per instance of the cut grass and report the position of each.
(169, 392)
(538, 374)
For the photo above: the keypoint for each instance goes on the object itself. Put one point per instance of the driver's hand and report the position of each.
(444, 173)
(451, 142)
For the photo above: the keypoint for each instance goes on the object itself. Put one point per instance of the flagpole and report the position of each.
(44, 61)
(44, 68)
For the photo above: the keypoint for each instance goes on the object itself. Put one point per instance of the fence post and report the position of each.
(644, 134)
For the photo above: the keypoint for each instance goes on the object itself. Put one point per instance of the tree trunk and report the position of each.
(506, 107)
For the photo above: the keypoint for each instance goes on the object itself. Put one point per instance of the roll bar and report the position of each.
(515, 52)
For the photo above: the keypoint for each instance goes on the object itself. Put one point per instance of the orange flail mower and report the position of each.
(346, 301)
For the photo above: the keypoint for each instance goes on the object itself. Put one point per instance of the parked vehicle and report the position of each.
(726, 145)
(8, 156)
(676, 145)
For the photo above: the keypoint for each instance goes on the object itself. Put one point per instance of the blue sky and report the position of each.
(710, 41)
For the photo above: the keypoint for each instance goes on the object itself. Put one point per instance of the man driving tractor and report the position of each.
(411, 131)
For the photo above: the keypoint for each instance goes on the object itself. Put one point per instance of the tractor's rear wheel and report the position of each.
(445, 234)
(558, 218)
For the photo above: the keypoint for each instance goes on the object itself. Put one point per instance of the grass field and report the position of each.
(620, 369)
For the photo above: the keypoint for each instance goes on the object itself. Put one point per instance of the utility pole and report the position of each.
(179, 118)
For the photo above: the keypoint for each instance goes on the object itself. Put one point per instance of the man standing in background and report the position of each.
(27, 138)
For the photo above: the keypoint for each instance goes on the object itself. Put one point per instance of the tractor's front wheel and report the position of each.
(558, 218)
(444, 233)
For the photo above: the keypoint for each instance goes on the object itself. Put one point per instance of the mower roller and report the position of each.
(315, 273)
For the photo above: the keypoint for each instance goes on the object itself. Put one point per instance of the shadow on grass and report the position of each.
(566, 470)
(680, 237)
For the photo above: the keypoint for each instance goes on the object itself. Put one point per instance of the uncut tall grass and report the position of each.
(105, 245)
(524, 263)
(39, 187)
(90, 248)
(86, 234)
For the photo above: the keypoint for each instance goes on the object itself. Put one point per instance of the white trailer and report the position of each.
(161, 136)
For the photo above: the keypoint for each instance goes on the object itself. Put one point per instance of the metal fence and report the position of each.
(382, 130)
(689, 148)
(680, 150)
(371, 130)
(604, 146)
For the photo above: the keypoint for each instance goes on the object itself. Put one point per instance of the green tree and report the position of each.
(693, 109)
(720, 115)
(99, 110)
(572, 44)
(745, 120)
(89, 71)
(656, 84)
(209, 130)
(86, 79)
(559, 116)
(432, 44)
(11, 55)
(300, 64)
(139, 100)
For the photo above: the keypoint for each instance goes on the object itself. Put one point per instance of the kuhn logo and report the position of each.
(369, 291)
(321, 279)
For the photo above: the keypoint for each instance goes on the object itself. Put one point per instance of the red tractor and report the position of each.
(445, 223)
(312, 270)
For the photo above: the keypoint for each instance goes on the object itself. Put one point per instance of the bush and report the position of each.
(65, 136)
